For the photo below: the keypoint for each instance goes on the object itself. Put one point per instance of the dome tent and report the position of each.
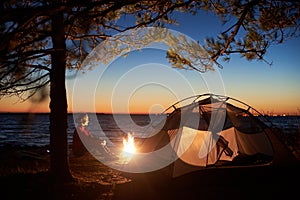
(209, 131)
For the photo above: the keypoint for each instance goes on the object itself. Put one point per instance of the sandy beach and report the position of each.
(24, 175)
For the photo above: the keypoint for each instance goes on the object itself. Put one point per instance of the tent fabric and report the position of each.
(251, 144)
(211, 131)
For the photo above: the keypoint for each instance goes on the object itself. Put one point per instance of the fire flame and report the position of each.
(128, 146)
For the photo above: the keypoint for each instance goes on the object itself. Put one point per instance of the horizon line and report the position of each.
(99, 113)
(108, 113)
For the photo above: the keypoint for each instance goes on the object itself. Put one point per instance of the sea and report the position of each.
(28, 129)
(32, 129)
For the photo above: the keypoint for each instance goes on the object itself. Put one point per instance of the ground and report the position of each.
(24, 174)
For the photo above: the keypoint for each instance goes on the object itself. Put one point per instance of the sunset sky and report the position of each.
(145, 82)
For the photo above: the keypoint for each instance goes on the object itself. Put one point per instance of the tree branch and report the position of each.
(235, 31)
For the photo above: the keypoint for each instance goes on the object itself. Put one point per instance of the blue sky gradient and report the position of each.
(269, 89)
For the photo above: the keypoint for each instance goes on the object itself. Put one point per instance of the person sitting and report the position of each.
(80, 133)
(83, 140)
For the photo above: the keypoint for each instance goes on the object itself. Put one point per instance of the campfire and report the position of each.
(129, 148)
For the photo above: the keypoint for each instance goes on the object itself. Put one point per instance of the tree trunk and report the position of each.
(59, 162)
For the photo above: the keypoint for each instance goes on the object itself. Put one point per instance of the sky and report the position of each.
(145, 82)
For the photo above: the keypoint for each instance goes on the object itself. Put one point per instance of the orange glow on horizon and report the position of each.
(15, 105)
(139, 106)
